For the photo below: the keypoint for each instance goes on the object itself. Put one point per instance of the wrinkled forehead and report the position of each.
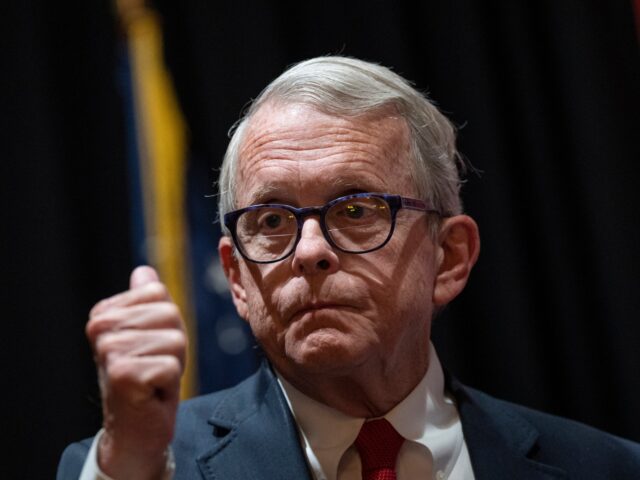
(281, 138)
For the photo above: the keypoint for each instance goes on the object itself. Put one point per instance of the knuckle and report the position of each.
(125, 386)
(119, 373)
(104, 322)
(178, 340)
(157, 290)
(104, 346)
(89, 330)
(94, 327)
(97, 308)
(173, 367)
(180, 337)
(171, 311)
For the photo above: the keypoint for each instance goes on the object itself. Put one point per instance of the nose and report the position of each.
(313, 254)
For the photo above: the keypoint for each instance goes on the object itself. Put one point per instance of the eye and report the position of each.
(273, 220)
(354, 211)
(358, 212)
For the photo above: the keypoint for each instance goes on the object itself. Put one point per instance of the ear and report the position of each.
(231, 269)
(458, 249)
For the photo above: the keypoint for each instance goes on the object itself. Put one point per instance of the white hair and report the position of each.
(347, 87)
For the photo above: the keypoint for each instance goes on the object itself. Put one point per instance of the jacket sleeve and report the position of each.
(73, 459)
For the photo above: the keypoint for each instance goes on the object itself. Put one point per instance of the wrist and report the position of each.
(120, 462)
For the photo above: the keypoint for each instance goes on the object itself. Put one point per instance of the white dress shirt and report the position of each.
(427, 418)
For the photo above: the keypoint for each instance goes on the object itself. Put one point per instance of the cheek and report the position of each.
(416, 300)
(264, 324)
(409, 294)
(264, 292)
(257, 301)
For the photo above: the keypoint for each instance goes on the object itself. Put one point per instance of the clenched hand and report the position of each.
(139, 342)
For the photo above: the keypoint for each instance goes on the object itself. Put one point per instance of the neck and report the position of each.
(366, 391)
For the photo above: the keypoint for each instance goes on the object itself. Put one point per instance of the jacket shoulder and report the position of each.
(585, 444)
(580, 450)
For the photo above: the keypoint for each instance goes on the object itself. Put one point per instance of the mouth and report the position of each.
(317, 307)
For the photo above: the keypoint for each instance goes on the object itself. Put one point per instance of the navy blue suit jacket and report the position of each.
(248, 433)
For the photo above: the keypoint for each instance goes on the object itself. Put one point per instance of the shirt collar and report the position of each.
(426, 416)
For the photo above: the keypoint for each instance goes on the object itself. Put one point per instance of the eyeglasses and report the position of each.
(358, 223)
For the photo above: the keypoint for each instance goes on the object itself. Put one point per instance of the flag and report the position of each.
(158, 166)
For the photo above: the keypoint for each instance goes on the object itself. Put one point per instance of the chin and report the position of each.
(324, 351)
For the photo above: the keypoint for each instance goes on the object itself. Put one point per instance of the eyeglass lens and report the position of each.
(354, 225)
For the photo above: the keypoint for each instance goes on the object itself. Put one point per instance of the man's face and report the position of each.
(320, 310)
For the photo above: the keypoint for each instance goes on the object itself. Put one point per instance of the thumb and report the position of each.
(143, 275)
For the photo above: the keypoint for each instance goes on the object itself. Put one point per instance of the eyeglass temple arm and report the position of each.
(415, 204)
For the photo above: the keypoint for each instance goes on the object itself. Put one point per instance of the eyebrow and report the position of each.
(264, 192)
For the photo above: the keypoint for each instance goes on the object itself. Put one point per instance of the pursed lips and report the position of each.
(314, 307)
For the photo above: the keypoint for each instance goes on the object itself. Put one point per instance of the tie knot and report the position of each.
(378, 444)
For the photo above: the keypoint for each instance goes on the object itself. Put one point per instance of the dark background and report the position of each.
(547, 96)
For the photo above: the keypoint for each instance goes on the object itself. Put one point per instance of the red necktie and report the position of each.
(378, 444)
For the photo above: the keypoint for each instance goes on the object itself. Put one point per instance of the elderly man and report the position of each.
(344, 236)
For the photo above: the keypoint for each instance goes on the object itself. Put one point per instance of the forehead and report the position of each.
(291, 152)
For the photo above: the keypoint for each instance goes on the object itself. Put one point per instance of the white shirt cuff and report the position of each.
(91, 470)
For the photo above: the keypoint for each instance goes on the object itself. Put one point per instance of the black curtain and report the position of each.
(65, 234)
(546, 95)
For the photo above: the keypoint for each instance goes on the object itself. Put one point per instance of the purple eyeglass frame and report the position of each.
(395, 202)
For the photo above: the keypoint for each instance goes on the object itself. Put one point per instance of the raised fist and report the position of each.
(139, 342)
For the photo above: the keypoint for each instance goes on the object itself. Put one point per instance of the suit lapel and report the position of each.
(258, 438)
(501, 443)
